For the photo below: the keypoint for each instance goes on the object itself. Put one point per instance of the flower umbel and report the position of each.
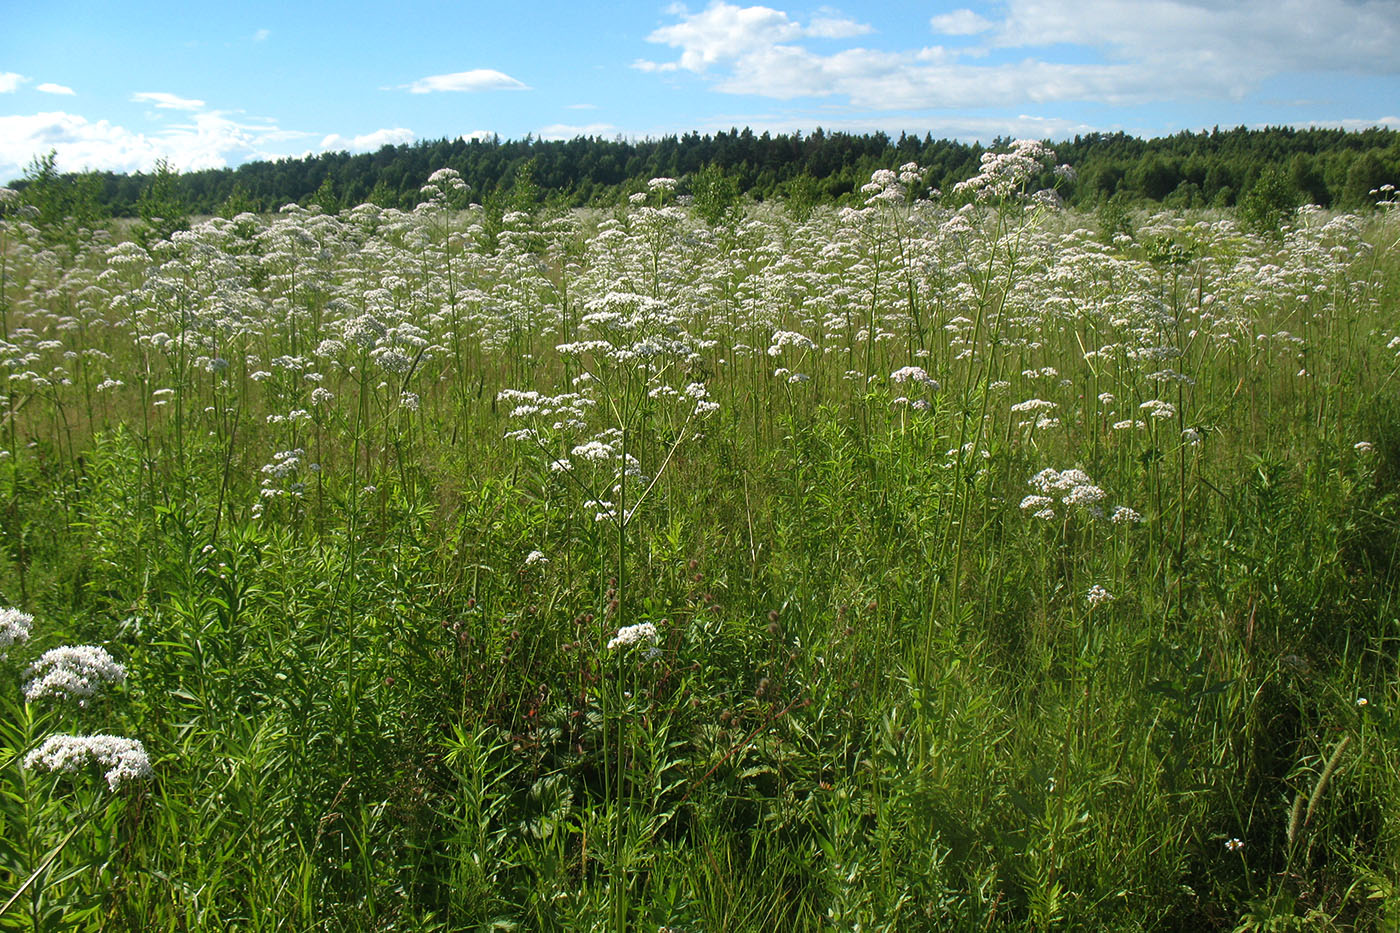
(632, 634)
(124, 759)
(72, 672)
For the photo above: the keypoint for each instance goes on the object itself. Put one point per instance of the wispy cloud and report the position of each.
(48, 88)
(10, 81)
(572, 131)
(478, 79)
(261, 35)
(367, 142)
(167, 101)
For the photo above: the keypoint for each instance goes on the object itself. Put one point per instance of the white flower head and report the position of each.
(632, 634)
(74, 672)
(124, 759)
(15, 627)
(1097, 596)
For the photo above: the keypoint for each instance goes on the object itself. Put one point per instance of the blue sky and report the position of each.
(118, 86)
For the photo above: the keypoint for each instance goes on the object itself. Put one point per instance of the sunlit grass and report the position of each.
(618, 571)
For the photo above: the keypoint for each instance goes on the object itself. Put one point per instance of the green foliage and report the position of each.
(716, 196)
(1328, 167)
(1114, 218)
(883, 694)
(161, 208)
(1269, 204)
(62, 204)
(237, 202)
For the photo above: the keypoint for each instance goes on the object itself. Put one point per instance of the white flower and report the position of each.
(1156, 408)
(124, 759)
(535, 557)
(1363, 447)
(1122, 515)
(1034, 404)
(913, 374)
(1097, 596)
(631, 634)
(72, 672)
(14, 628)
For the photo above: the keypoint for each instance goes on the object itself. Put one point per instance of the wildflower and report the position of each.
(124, 759)
(913, 374)
(14, 628)
(632, 634)
(1234, 845)
(535, 557)
(1122, 515)
(1034, 405)
(1097, 596)
(1156, 408)
(1362, 701)
(1363, 447)
(72, 672)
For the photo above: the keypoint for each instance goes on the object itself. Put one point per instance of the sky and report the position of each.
(119, 86)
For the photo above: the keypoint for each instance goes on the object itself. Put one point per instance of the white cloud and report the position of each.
(482, 135)
(724, 32)
(210, 140)
(478, 79)
(367, 142)
(836, 27)
(1237, 44)
(960, 23)
(1134, 51)
(9, 81)
(167, 101)
(570, 131)
(261, 35)
(48, 88)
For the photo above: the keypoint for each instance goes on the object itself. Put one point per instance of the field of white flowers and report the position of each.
(910, 567)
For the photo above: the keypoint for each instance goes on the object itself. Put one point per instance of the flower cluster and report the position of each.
(125, 759)
(1072, 489)
(14, 628)
(73, 672)
(633, 634)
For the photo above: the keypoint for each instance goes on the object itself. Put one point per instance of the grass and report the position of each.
(271, 468)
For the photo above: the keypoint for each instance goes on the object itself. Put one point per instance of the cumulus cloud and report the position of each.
(367, 142)
(478, 79)
(166, 101)
(960, 23)
(725, 32)
(1135, 51)
(9, 81)
(49, 88)
(208, 140)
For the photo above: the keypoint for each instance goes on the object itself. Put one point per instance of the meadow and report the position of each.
(951, 562)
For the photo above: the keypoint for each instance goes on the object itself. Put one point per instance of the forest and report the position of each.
(1329, 167)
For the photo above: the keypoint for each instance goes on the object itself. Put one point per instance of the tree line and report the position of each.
(1217, 168)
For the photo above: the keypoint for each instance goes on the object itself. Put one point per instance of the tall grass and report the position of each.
(291, 472)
